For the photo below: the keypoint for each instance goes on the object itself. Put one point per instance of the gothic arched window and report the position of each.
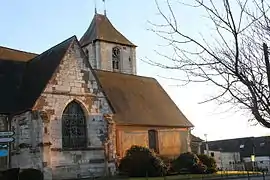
(116, 58)
(74, 127)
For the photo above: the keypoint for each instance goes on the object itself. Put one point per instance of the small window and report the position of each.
(45, 130)
(242, 146)
(153, 140)
(116, 58)
(262, 144)
(87, 53)
(212, 154)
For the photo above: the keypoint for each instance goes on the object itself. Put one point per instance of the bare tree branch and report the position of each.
(237, 59)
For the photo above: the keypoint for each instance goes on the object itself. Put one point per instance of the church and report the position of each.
(78, 106)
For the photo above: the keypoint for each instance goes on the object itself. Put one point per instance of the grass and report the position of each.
(197, 176)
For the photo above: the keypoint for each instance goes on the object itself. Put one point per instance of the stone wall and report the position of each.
(73, 81)
(30, 149)
(171, 141)
(100, 56)
(92, 53)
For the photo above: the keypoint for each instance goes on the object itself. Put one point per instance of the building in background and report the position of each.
(241, 153)
(195, 144)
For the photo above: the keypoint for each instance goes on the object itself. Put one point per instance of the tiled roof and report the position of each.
(140, 100)
(136, 100)
(102, 29)
(15, 55)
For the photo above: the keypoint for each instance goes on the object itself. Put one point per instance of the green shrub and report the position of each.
(189, 163)
(209, 162)
(31, 174)
(11, 174)
(141, 162)
(199, 168)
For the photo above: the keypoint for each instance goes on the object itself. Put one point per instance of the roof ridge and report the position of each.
(51, 59)
(63, 42)
(234, 139)
(9, 48)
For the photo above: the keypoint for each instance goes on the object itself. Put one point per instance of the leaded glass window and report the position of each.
(74, 126)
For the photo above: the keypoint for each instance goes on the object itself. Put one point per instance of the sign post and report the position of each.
(6, 133)
(5, 139)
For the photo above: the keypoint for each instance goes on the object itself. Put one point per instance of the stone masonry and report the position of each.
(100, 56)
(39, 132)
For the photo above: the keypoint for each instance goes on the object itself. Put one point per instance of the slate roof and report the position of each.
(23, 81)
(140, 100)
(39, 71)
(102, 29)
(261, 146)
(15, 55)
(11, 73)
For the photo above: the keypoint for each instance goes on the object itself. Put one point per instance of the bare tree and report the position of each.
(236, 60)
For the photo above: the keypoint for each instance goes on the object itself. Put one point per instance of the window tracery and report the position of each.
(74, 127)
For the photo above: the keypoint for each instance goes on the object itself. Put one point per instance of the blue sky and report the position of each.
(37, 25)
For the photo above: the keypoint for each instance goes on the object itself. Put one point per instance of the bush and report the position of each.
(199, 168)
(189, 163)
(141, 162)
(209, 162)
(31, 174)
(11, 174)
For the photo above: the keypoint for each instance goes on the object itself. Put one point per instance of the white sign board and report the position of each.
(6, 140)
(6, 133)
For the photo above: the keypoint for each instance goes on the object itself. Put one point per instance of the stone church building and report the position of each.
(77, 107)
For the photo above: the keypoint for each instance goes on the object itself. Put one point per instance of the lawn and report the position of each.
(197, 176)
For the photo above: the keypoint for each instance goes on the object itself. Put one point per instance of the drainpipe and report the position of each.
(8, 121)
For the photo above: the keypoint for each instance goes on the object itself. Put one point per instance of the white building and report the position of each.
(226, 160)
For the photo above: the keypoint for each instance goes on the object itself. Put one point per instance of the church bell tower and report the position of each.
(106, 48)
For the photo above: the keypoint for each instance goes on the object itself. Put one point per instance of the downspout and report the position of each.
(8, 119)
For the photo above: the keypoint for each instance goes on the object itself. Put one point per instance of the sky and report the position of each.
(35, 26)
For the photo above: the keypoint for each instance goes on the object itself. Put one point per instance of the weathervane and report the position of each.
(104, 6)
(95, 1)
